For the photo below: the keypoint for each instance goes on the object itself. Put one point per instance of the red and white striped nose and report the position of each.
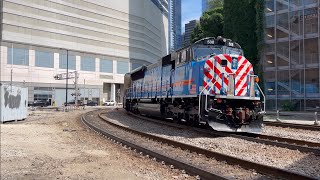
(227, 74)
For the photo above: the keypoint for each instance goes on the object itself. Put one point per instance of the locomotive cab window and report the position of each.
(205, 52)
(224, 63)
(230, 50)
(183, 56)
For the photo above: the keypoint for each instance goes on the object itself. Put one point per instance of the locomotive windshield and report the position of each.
(200, 53)
(230, 50)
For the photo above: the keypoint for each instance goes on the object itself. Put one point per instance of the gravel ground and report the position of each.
(291, 160)
(305, 135)
(209, 164)
(56, 145)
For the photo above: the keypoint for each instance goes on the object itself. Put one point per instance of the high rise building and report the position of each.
(101, 40)
(189, 27)
(205, 5)
(292, 54)
(175, 39)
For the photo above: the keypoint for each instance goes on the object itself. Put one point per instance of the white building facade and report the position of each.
(102, 40)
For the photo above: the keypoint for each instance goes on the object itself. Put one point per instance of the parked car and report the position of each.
(109, 103)
(41, 103)
(92, 103)
(80, 103)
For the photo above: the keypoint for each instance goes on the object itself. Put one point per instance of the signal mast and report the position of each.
(70, 75)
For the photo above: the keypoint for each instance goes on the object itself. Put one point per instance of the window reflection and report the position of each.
(20, 56)
(44, 59)
(63, 61)
(122, 67)
(106, 66)
(88, 64)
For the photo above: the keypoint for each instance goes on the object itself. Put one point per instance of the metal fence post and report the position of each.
(316, 118)
(278, 118)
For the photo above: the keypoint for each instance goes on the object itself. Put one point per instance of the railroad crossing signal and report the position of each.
(73, 94)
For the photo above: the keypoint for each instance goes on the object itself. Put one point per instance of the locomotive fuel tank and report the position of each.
(149, 109)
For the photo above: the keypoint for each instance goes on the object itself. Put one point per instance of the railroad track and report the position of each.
(160, 157)
(264, 169)
(293, 144)
(290, 125)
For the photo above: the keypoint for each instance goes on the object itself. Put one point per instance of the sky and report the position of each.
(191, 9)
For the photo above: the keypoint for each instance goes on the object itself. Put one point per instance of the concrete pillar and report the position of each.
(113, 92)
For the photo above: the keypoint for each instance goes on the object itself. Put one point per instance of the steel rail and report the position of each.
(179, 164)
(293, 144)
(291, 125)
(264, 169)
(286, 140)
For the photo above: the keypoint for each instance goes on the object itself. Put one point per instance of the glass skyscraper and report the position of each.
(175, 37)
(291, 54)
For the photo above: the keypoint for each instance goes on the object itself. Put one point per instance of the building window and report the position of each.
(20, 56)
(63, 61)
(122, 67)
(88, 64)
(42, 93)
(106, 66)
(44, 59)
(311, 21)
(135, 66)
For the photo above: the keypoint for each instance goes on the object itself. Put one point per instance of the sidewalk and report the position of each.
(307, 118)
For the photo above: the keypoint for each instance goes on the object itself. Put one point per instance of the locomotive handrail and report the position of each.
(206, 95)
(264, 97)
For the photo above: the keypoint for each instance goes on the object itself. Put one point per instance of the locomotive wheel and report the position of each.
(192, 121)
(176, 120)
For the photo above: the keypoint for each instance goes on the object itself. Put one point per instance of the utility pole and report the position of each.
(84, 84)
(67, 79)
(76, 88)
(11, 72)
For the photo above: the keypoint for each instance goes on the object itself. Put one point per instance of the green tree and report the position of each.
(211, 25)
(240, 26)
(260, 6)
(197, 33)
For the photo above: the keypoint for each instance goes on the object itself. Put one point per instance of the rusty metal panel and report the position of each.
(13, 102)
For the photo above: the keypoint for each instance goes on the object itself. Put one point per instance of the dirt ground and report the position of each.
(56, 145)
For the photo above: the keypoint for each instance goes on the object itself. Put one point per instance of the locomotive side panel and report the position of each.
(182, 80)
(197, 78)
(165, 81)
(158, 74)
(146, 84)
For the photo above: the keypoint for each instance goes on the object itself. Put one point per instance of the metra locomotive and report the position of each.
(209, 82)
